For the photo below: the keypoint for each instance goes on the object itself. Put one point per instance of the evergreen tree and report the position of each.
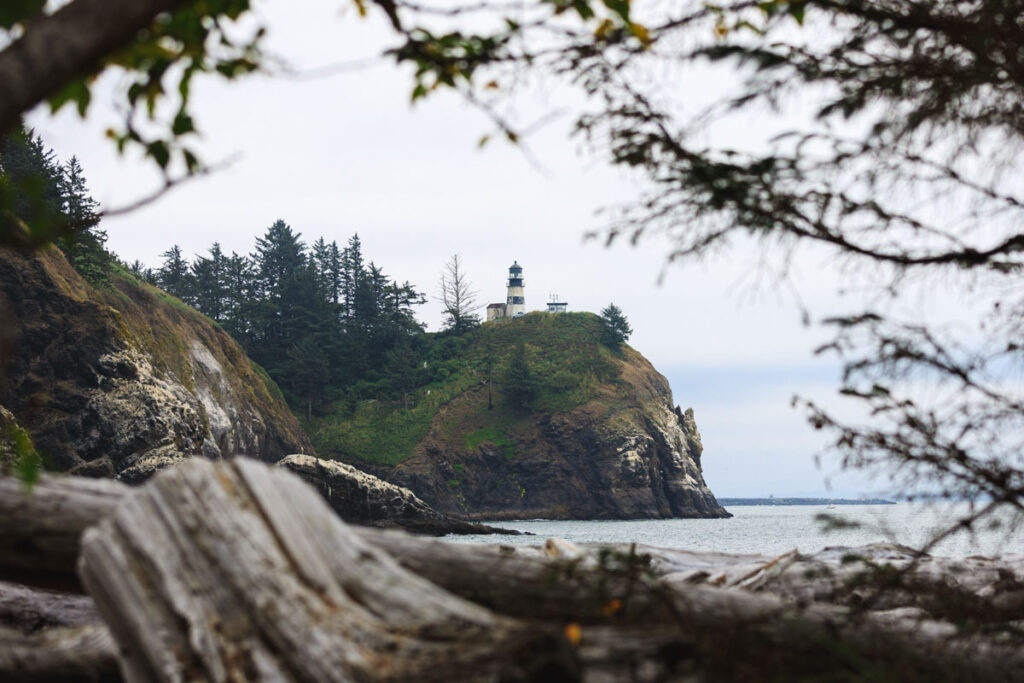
(326, 260)
(240, 293)
(520, 387)
(31, 188)
(352, 274)
(208, 283)
(319, 321)
(615, 329)
(173, 275)
(50, 199)
(84, 245)
(141, 271)
(279, 255)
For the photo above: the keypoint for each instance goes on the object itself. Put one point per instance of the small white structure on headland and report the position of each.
(515, 301)
(495, 312)
(556, 306)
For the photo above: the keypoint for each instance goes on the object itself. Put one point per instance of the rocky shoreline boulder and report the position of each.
(361, 498)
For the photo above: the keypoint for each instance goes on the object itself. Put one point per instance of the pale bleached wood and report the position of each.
(81, 654)
(235, 571)
(28, 609)
(231, 570)
(40, 527)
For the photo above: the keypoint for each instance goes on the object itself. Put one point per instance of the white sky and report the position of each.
(347, 153)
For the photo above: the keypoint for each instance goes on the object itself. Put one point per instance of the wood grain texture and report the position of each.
(40, 527)
(81, 654)
(235, 571)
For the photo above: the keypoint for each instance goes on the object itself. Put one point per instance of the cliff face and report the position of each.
(629, 457)
(125, 380)
(602, 438)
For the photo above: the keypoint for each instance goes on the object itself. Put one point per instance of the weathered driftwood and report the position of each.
(40, 528)
(235, 571)
(51, 636)
(30, 609)
(78, 654)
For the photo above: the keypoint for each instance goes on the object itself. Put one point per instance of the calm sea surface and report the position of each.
(778, 529)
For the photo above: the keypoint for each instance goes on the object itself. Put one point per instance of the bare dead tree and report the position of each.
(457, 297)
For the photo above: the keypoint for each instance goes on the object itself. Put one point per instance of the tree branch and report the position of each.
(68, 43)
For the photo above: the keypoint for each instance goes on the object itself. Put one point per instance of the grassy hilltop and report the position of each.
(568, 365)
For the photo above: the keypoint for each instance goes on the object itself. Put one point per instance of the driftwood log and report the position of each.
(51, 636)
(41, 527)
(74, 654)
(237, 571)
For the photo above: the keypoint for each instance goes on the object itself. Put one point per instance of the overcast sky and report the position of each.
(337, 155)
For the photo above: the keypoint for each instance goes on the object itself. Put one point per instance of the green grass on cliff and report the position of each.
(569, 365)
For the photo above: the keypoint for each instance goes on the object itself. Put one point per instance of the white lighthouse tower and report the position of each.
(516, 301)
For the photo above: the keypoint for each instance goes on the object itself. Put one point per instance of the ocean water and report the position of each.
(772, 530)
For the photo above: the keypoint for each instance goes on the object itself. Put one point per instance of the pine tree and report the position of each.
(240, 293)
(352, 274)
(209, 286)
(31, 192)
(173, 275)
(615, 329)
(142, 272)
(84, 246)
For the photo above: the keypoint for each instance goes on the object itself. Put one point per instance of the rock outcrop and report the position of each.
(124, 380)
(361, 498)
(623, 452)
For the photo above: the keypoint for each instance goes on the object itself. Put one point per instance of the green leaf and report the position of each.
(13, 11)
(191, 161)
(583, 9)
(182, 124)
(620, 7)
(796, 10)
(160, 153)
(75, 91)
(28, 464)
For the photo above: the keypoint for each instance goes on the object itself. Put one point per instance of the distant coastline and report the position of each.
(735, 502)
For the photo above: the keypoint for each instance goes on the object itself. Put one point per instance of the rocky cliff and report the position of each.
(602, 439)
(123, 380)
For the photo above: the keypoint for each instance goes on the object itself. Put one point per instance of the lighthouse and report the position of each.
(515, 302)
